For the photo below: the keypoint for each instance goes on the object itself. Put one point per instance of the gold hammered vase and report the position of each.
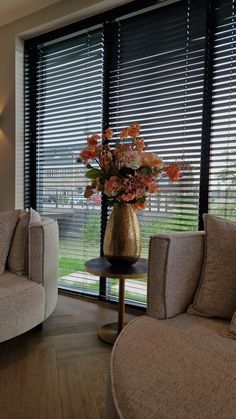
(122, 242)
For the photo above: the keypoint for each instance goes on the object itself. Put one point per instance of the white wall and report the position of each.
(11, 84)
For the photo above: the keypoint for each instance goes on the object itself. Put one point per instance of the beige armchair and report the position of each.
(27, 300)
(171, 364)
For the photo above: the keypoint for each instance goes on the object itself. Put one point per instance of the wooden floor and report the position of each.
(61, 371)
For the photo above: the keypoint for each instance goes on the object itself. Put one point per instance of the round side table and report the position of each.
(101, 267)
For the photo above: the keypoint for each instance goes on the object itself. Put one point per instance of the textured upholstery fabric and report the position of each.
(43, 259)
(181, 368)
(17, 261)
(8, 220)
(34, 217)
(21, 305)
(231, 333)
(175, 263)
(216, 294)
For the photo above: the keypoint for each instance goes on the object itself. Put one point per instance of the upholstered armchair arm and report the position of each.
(43, 259)
(175, 264)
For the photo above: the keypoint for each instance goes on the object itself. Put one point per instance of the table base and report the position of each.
(108, 333)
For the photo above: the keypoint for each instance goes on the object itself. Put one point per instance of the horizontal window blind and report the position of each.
(69, 103)
(222, 189)
(171, 68)
(157, 80)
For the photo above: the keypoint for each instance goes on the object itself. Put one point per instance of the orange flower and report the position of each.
(124, 133)
(139, 206)
(85, 155)
(173, 171)
(93, 140)
(140, 144)
(134, 130)
(88, 191)
(108, 133)
(127, 197)
(146, 180)
(90, 153)
(152, 160)
(152, 188)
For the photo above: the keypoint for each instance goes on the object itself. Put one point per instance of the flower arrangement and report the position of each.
(126, 172)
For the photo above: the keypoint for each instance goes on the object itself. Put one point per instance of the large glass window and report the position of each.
(69, 103)
(170, 67)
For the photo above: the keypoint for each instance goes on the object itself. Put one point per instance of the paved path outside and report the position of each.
(131, 285)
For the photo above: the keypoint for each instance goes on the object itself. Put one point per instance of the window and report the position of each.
(170, 67)
(68, 105)
(222, 182)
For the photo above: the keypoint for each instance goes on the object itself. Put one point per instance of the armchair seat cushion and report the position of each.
(18, 296)
(182, 367)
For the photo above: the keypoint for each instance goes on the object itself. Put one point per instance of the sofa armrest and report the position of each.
(175, 264)
(43, 259)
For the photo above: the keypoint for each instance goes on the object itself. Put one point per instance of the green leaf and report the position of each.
(142, 199)
(93, 173)
(146, 170)
(89, 166)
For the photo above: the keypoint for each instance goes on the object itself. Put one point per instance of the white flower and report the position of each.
(131, 159)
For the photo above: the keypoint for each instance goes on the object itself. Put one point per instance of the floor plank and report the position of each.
(61, 371)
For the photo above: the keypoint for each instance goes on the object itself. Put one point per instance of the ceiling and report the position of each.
(14, 9)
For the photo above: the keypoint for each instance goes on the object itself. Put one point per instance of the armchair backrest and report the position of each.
(175, 264)
(43, 258)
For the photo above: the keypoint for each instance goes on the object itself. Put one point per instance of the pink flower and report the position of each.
(120, 150)
(135, 185)
(105, 160)
(112, 186)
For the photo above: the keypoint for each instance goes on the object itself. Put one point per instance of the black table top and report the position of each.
(101, 267)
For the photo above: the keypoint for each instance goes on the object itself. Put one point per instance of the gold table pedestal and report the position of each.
(109, 332)
(101, 267)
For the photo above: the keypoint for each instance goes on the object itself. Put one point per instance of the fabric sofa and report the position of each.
(26, 300)
(171, 364)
